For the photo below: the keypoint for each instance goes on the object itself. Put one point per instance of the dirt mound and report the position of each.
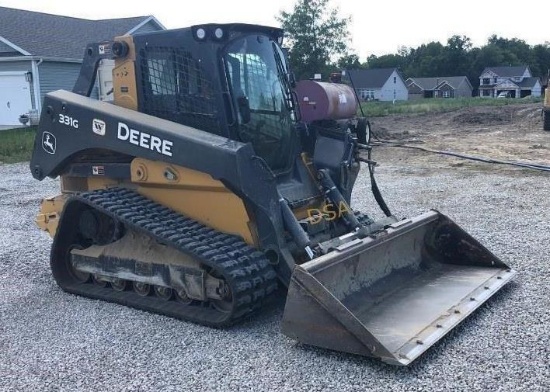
(381, 132)
(496, 115)
(480, 118)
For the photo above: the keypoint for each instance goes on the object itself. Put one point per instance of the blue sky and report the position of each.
(377, 27)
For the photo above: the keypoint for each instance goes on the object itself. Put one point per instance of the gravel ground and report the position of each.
(50, 340)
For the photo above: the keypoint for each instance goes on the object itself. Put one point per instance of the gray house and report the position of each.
(511, 82)
(40, 53)
(439, 87)
(382, 84)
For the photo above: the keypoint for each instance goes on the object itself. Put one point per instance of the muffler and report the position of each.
(395, 294)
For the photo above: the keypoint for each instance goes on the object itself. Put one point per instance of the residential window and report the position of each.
(365, 94)
(495, 80)
(446, 94)
(394, 79)
(486, 81)
(486, 93)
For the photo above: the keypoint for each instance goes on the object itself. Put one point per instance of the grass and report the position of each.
(436, 105)
(16, 145)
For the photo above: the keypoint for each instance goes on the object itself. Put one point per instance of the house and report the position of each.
(439, 87)
(40, 53)
(382, 84)
(512, 82)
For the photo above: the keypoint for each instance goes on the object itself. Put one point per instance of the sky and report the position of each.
(378, 28)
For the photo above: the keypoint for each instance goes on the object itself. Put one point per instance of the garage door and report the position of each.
(15, 97)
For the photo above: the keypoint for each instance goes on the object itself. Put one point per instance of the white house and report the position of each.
(382, 84)
(512, 82)
(40, 53)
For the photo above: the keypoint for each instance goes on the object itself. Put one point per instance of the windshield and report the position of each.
(259, 87)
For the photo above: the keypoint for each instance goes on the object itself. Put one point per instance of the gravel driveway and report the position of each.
(50, 340)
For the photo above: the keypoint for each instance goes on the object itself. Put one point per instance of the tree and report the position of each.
(456, 58)
(349, 61)
(318, 36)
(385, 61)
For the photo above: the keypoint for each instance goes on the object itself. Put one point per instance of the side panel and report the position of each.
(57, 75)
(195, 194)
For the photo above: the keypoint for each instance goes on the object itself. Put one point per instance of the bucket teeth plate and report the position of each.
(394, 295)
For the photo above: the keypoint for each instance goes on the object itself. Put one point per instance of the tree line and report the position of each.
(319, 43)
(458, 57)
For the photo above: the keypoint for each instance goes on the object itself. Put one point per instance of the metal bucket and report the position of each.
(394, 295)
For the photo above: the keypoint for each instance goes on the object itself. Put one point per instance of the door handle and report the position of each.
(8, 104)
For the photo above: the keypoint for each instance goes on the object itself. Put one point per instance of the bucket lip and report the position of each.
(418, 344)
(440, 327)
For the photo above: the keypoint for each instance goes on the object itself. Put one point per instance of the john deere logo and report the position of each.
(48, 143)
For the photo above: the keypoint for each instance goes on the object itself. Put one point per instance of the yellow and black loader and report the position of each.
(212, 178)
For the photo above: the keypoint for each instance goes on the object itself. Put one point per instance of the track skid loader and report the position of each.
(212, 178)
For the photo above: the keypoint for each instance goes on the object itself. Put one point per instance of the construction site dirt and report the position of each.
(506, 133)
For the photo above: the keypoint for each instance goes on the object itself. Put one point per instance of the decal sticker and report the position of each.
(69, 121)
(99, 127)
(49, 143)
(144, 140)
(104, 49)
(98, 170)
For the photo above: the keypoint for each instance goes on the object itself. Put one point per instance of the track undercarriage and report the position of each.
(118, 246)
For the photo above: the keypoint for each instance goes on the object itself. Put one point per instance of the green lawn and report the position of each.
(16, 144)
(436, 105)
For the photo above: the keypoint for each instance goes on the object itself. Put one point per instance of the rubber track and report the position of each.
(246, 270)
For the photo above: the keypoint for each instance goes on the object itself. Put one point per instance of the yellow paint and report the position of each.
(95, 183)
(124, 77)
(48, 216)
(194, 194)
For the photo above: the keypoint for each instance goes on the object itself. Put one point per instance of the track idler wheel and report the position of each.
(164, 293)
(99, 280)
(79, 276)
(181, 296)
(142, 289)
(118, 284)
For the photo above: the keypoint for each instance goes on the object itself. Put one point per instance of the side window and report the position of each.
(162, 76)
(176, 87)
(256, 81)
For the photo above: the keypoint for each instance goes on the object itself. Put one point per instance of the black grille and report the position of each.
(177, 88)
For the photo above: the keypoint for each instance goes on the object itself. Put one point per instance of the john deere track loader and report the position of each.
(202, 187)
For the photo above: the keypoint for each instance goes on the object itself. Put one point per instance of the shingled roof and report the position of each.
(432, 83)
(40, 34)
(508, 72)
(528, 82)
(370, 78)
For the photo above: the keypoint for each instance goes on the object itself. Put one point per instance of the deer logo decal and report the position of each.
(48, 143)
